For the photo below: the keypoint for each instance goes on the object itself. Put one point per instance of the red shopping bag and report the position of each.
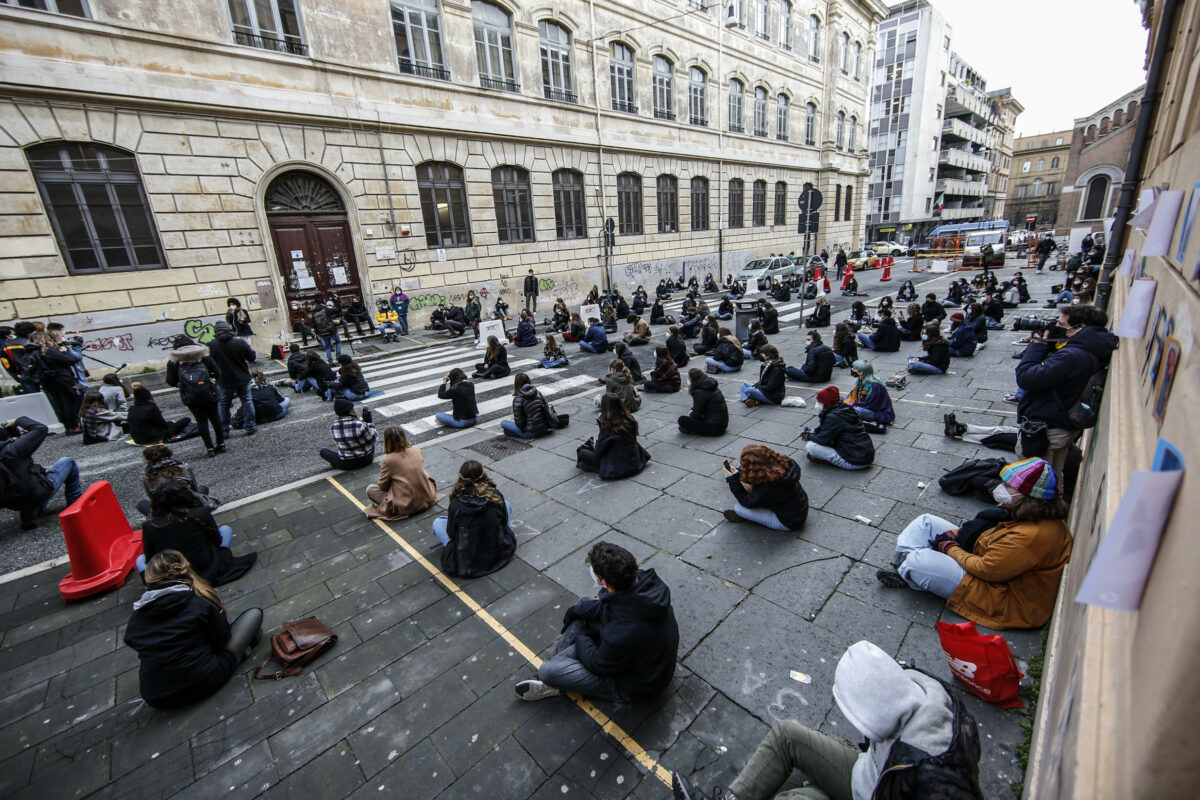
(984, 663)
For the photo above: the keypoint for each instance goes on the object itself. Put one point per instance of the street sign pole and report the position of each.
(809, 202)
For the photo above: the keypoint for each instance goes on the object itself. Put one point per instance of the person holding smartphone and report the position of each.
(767, 487)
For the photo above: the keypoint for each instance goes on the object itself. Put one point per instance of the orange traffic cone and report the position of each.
(887, 274)
(100, 543)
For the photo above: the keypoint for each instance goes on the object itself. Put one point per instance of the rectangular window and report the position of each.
(699, 204)
(760, 111)
(443, 205)
(668, 204)
(837, 204)
(267, 24)
(758, 204)
(74, 8)
(494, 48)
(417, 27)
(761, 18)
(557, 83)
(780, 203)
(736, 98)
(514, 208)
(698, 97)
(570, 218)
(629, 203)
(664, 88)
(620, 73)
(737, 202)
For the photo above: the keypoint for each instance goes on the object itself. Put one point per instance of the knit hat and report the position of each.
(957, 316)
(142, 395)
(829, 396)
(344, 359)
(1033, 477)
(222, 325)
(343, 407)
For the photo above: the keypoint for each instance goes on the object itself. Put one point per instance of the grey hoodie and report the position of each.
(888, 703)
(151, 595)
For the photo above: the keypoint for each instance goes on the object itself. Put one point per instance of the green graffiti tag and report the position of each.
(199, 330)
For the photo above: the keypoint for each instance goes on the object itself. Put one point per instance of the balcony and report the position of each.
(962, 213)
(962, 188)
(698, 120)
(956, 128)
(783, 137)
(662, 113)
(499, 84)
(760, 131)
(954, 157)
(624, 106)
(433, 72)
(288, 45)
(561, 95)
(736, 127)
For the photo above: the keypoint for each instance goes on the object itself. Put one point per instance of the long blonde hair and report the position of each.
(170, 566)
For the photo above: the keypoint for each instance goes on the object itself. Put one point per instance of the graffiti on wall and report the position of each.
(572, 287)
(651, 272)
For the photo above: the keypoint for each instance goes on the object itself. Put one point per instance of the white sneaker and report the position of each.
(532, 690)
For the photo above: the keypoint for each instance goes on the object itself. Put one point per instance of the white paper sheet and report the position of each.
(339, 275)
(1145, 210)
(1136, 313)
(1127, 262)
(587, 312)
(1118, 572)
(441, 254)
(939, 265)
(297, 254)
(385, 252)
(491, 327)
(1162, 227)
(307, 283)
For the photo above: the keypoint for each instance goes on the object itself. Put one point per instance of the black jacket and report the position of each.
(938, 354)
(30, 486)
(931, 310)
(353, 379)
(529, 410)
(728, 353)
(819, 318)
(770, 321)
(637, 640)
(232, 356)
(665, 373)
(462, 399)
(1054, 379)
(146, 423)
(191, 354)
(708, 340)
(771, 382)
(849, 348)
(619, 457)
(841, 428)
(481, 540)
(635, 369)
(320, 372)
(531, 285)
(54, 367)
(268, 402)
(180, 640)
(501, 359)
(198, 539)
(757, 339)
(887, 336)
(708, 404)
(295, 365)
(818, 362)
(912, 327)
(786, 497)
(678, 351)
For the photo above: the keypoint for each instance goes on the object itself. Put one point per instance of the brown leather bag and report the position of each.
(300, 642)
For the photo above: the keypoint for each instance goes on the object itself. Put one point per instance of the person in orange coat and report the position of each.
(403, 488)
(1001, 569)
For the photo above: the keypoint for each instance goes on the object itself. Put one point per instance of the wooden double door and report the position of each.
(316, 259)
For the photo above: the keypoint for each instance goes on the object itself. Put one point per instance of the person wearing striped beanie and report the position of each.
(1002, 568)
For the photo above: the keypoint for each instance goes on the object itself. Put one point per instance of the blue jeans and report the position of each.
(443, 536)
(825, 453)
(723, 316)
(64, 471)
(962, 353)
(307, 385)
(389, 329)
(283, 409)
(226, 538)
(449, 420)
(798, 374)
(993, 324)
(563, 670)
(510, 427)
(242, 393)
(591, 348)
(866, 341)
(761, 516)
(750, 392)
(923, 567)
(329, 342)
(558, 362)
(349, 395)
(839, 360)
(712, 362)
(867, 414)
(922, 368)
(747, 353)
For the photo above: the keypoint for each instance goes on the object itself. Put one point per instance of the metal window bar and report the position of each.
(270, 43)
(408, 67)
(662, 113)
(698, 120)
(625, 106)
(499, 84)
(560, 95)
(737, 127)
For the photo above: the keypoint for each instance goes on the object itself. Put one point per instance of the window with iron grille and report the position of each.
(494, 47)
(668, 204)
(570, 214)
(737, 201)
(97, 207)
(810, 124)
(629, 203)
(840, 136)
(697, 96)
(760, 111)
(785, 24)
(417, 27)
(664, 89)
(758, 205)
(699, 204)
(557, 81)
(514, 207)
(267, 24)
(443, 204)
(780, 203)
(620, 73)
(74, 8)
(814, 38)
(781, 117)
(737, 95)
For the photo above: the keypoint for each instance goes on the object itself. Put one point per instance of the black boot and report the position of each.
(950, 425)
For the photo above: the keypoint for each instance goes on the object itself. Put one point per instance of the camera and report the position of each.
(1034, 323)
(74, 341)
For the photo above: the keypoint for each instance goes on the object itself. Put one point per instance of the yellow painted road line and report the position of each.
(602, 719)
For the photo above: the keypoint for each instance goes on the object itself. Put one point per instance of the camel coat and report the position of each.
(404, 488)
(1012, 574)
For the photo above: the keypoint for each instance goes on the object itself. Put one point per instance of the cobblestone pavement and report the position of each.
(416, 699)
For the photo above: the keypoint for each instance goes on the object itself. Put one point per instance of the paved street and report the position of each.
(416, 699)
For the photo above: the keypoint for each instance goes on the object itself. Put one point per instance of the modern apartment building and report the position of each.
(159, 157)
(1036, 183)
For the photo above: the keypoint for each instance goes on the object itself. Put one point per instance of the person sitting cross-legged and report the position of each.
(772, 380)
(870, 399)
(767, 487)
(355, 438)
(710, 414)
(840, 438)
(818, 362)
(475, 535)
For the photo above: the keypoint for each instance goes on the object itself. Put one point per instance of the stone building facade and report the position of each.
(160, 157)
(1038, 172)
(1008, 109)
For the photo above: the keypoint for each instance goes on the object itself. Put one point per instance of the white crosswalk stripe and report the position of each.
(502, 403)
(432, 399)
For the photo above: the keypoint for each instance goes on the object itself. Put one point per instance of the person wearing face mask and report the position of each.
(1053, 379)
(1002, 568)
(937, 354)
(870, 399)
(818, 362)
(238, 318)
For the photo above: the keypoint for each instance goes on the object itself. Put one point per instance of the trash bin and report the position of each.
(744, 312)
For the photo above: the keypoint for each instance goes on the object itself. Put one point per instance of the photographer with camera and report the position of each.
(1053, 378)
(28, 487)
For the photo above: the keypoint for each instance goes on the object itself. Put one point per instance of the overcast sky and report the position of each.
(1063, 58)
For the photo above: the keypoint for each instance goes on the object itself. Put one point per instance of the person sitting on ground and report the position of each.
(664, 378)
(676, 347)
(526, 335)
(178, 523)
(596, 339)
(907, 293)
(954, 295)
(851, 289)
(766, 485)
(658, 316)
(295, 362)
(821, 314)
(620, 645)
(355, 438)
(818, 362)
(640, 335)
(461, 394)
(869, 398)
(561, 321)
(99, 423)
(840, 438)
(978, 323)
(593, 296)
(782, 293)
(709, 415)
(710, 285)
(475, 534)
(937, 354)
(619, 304)
(495, 361)
(552, 354)
(1001, 569)
(920, 742)
(933, 311)
(114, 393)
(727, 356)
(912, 325)
(608, 317)
(1011, 295)
(31, 487)
(962, 341)
(631, 363)
(725, 309)
(885, 303)
(615, 452)
(771, 386)
(710, 334)
(619, 382)
(577, 329)
(858, 315)
(756, 341)
(661, 292)
(845, 346)
(500, 309)
(161, 466)
(689, 324)
(269, 404)
(186, 647)
(351, 383)
(530, 418)
(317, 376)
(886, 338)
(404, 488)
(640, 298)
(147, 425)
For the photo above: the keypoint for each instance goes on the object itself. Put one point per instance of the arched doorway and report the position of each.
(1096, 200)
(312, 240)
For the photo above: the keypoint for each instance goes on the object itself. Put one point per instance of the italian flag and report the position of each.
(941, 202)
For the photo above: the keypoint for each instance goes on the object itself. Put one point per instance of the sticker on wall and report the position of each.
(1189, 220)
(385, 252)
(339, 275)
(297, 254)
(441, 254)
(1170, 364)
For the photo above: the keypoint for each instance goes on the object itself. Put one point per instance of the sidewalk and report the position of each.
(416, 699)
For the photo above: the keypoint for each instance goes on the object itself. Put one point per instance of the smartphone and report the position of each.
(727, 466)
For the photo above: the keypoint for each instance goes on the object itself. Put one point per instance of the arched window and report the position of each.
(853, 134)
(697, 96)
(1041, 165)
(557, 80)
(668, 204)
(781, 117)
(443, 204)
(1054, 163)
(810, 124)
(417, 26)
(857, 71)
(814, 38)
(699, 204)
(840, 137)
(97, 207)
(620, 73)
(785, 24)
(1037, 187)
(849, 202)
(570, 215)
(514, 208)
(1118, 118)
(1105, 125)
(845, 54)
(737, 202)
(737, 94)
(664, 88)
(780, 203)
(493, 47)
(1096, 200)
(758, 204)
(629, 203)
(760, 111)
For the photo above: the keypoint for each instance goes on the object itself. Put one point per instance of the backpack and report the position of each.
(979, 476)
(1084, 412)
(196, 386)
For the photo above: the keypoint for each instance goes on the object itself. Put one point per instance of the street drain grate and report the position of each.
(500, 447)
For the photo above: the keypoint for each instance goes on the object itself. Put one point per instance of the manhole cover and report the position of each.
(500, 447)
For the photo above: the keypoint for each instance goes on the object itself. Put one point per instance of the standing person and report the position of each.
(771, 386)
(495, 361)
(531, 292)
(461, 394)
(404, 488)
(178, 523)
(869, 398)
(32, 487)
(818, 362)
(193, 371)
(355, 438)
(709, 415)
(325, 328)
(238, 318)
(937, 354)
(473, 312)
(475, 534)
(664, 378)
(766, 485)
(530, 418)
(840, 262)
(52, 365)
(147, 424)
(186, 647)
(1044, 248)
(840, 438)
(400, 302)
(233, 358)
(620, 645)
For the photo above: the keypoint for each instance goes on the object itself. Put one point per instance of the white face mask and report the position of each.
(924, 337)
(592, 572)
(1002, 495)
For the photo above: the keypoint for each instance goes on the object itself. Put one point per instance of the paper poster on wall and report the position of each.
(1189, 219)
(384, 252)
(300, 266)
(491, 327)
(1127, 262)
(306, 282)
(1162, 227)
(1145, 210)
(339, 275)
(1170, 365)
(1136, 313)
(297, 254)
(441, 254)
(589, 311)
